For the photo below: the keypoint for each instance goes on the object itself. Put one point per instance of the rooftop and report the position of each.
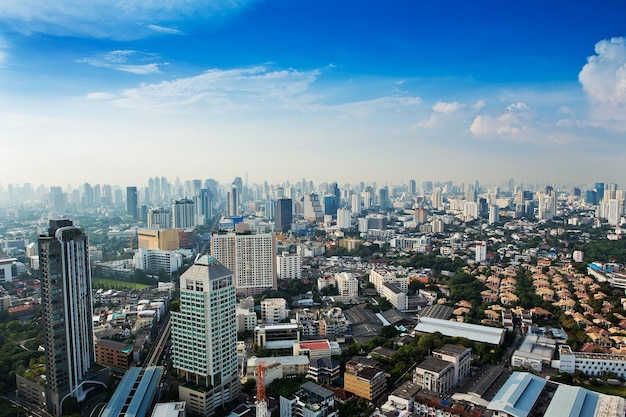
(518, 395)
(434, 365)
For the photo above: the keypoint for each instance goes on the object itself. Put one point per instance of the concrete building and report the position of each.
(6, 268)
(534, 353)
(273, 310)
(183, 213)
(67, 309)
(347, 286)
(289, 265)
(252, 258)
(173, 409)
(591, 364)
(435, 375)
(204, 337)
(364, 381)
(160, 218)
(459, 357)
(310, 401)
(344, 219)
(114, 354)
(277, 336)
(132, 206)
(155, 261)
(157, 239)
(312, 208)
(284, 215)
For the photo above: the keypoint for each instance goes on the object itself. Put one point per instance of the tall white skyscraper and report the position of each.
(437, 199)
(494, 214)
(233, 202)
(344, 218)
(204, 337)
(252, 258)
(67, 312)
(481, 251)
(356, 204)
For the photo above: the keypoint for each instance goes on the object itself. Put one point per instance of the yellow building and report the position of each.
(157, 239)
(364, 381)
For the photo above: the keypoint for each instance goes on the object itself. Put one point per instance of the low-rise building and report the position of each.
(591, 364)
(310, 401)
(114, 354)
(364, 381)
(435, 375)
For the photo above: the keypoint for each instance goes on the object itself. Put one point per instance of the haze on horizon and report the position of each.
(328, 91)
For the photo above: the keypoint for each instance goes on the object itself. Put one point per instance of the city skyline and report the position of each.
(326, 91)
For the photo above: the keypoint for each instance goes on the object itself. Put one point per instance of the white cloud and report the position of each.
(603, 79)
(118, 60)
(441, 111)
(100, 96)
(367, 108)
(164, 30)
(478, 105)
(225, 89)
(125, 19)
(514, 125)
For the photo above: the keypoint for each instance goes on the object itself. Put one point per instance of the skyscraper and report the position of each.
(67, 312)
(284, 214)
(252, 258)
(204, 337)
(233, 202)
(183, 213)
(312, 208)
(131, 202)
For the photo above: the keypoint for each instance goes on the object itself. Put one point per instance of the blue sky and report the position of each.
(331, 91)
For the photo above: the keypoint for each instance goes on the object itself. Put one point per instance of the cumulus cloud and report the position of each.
(514, 125)
(603, 79)
(119, 60)
(128, 19)
(441, 110)
(225, 89)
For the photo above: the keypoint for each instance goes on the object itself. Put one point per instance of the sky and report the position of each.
(119, 91)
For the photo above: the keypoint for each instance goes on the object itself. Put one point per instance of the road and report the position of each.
(157, 349)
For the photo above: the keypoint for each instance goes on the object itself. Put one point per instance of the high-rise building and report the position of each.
(383, 198)
(204, 205)
(252, 258)
(356, 204)
(284, 215)
(312, 208)
(160, 218)
(412, 187)
(494, 214)
(67, 312)
(330, 205)
(183, 213)
(599, 186)
(437, 199)
(132, 208)
(204, 337)
(233, 202)
(344, 219)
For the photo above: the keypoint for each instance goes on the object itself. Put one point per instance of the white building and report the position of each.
(481, 252)
(494, 214)
(379, 278)
(435, 375)
(204, 337)
(289, 266)
(273, 310)
(459, 357)
(344, 218)
(252, 258)
(356, 204)
(157, 260)
(470, 210)
(183, 214)
(347, 285)
(311, 400)
(591, 364)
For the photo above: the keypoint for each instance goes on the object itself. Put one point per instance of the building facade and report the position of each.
(204, 337)
(67, 312)
(251, 257)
